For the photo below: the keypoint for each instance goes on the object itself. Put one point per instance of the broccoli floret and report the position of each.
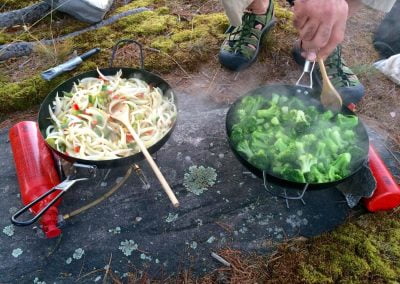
(347, 121)
(309, 139)
(293, 175)
(275, 99)
(260, 160)
(315, 175)
(300, 119)
(295, 103)
(349, 135)
(327, 115)
(258, 144)
(280, 145)
(283, 100)
(268, 113)
(306, 161)
(312, 113)
(331, 146)
(237, 135)
(275, 121)
(248, 124)
(340, 168)
(336, 137)
(244, 148)
(251, 104)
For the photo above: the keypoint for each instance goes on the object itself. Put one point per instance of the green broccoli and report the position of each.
(349, 135)
(293, 175)
(340, 168)
(244, 148)
(315, 175)
(347, 121)
(275, 121)
(306, 161)
(327, 115)
(237, 134)
(260, 160)
(295, 103)
(251, 104)
(312, 113)
(268, 113)
(280, 145)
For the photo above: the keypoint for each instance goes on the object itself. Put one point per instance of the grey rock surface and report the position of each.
(137, 228)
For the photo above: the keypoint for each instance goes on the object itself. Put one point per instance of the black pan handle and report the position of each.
(115, 48)
(27, 207)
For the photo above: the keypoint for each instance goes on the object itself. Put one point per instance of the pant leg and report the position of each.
(383, 5)
(234, 10)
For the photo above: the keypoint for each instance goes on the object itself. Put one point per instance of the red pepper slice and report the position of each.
(75, 106)
(77, 149)
(129, 137)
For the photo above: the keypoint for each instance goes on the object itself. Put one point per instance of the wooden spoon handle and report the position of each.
(154, 166)
(323, 73)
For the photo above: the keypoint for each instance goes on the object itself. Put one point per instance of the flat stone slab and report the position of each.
(138, 229)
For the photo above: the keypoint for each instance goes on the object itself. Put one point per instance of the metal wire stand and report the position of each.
(300, 192)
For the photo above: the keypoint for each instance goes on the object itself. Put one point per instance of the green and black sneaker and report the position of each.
(342, 78)
(243, 43)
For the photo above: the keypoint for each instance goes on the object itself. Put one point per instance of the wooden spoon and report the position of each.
(330, 98)
(120, 112)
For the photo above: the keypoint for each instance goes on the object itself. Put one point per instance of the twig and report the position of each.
(220, 259)
(107, 270)
(390, 151)
(89, 273)
(169, 56)
(17, 49)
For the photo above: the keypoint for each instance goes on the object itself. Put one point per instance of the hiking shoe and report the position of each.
(242, 44)
(341, 76)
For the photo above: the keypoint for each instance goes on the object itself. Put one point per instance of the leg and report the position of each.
(250, 21)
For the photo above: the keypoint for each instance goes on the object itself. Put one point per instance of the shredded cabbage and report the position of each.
(83, 128)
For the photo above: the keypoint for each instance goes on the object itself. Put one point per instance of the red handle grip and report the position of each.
(387, 192)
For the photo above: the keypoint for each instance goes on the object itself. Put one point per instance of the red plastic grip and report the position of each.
(387, 192)
(36, 172)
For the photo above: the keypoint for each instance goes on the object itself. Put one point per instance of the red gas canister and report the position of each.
(387, 192)
(36, 172)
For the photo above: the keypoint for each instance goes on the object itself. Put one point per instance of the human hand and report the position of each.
(321, 25)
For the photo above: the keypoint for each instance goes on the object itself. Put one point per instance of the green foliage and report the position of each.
(296, 141)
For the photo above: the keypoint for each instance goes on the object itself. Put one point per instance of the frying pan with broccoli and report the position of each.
(295, 139)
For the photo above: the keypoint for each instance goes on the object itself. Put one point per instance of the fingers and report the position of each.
(337, 37)
(317, 39)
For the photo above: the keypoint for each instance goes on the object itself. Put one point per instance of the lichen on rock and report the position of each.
(199, 179)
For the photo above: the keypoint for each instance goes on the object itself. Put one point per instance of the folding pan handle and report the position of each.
(115, 48)
(30, 205)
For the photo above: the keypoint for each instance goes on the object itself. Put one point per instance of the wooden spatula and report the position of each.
(330, 98)
(120, 112)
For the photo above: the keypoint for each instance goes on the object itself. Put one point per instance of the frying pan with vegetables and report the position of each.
(284, 133)
(44, 122)
(150, 78)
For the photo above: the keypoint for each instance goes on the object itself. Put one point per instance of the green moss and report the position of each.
(24, 94)
(153, 25)
(357, 252)
(163, 44)
(9, 5)
(310, 275)
(136, 4)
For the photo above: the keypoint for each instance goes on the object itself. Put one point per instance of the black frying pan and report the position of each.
(44, 121)
(309, 96)
(148, 77)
